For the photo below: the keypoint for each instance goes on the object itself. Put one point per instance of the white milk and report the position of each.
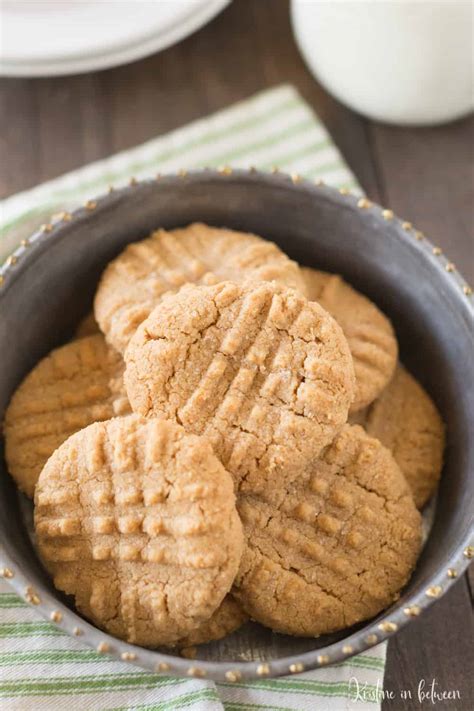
(401, 61)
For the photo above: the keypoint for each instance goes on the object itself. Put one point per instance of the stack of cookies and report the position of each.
(229, 436)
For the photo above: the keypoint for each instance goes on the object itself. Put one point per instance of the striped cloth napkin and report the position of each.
(40, 666)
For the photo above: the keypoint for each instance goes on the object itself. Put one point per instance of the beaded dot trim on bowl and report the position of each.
(362, 203)
(376, 632)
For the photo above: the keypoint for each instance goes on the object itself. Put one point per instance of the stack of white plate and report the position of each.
(47, 37)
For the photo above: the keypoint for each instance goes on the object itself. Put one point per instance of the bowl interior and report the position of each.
(52, 286)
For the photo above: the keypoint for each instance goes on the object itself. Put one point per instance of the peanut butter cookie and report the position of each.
(262, 372)
(137, 520)
(228, 617)
(75, 385)
(332, 548)
(405, 419)
(368, 331)
(133, 283)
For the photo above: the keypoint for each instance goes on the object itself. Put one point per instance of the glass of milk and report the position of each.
(402, 61)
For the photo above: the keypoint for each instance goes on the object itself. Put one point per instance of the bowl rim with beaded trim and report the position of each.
(379, 253)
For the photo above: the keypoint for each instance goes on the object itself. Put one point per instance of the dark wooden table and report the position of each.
(49, 126)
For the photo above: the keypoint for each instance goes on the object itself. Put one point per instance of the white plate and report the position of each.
(46, 37)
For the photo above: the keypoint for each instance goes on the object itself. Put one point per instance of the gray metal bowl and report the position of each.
(48, 284)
